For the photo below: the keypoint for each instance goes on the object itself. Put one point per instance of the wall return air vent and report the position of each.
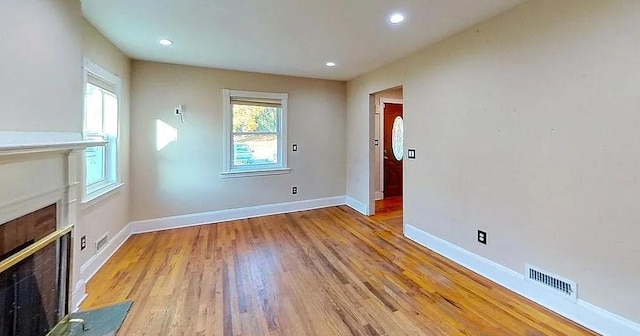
(102, 242)
(559, 284)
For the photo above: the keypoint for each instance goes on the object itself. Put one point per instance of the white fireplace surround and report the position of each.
(38, 169)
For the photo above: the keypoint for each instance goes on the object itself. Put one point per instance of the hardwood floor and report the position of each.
(321, 272)
(389, 213)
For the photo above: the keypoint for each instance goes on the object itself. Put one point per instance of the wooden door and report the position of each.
(392, 164)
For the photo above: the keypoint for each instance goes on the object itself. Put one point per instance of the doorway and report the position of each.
(389, 157)
(392, 150)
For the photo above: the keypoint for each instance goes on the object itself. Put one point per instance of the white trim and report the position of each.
(384, 100)
(101, 72)
(226, 126)
(95, 263)
(381, 147)
(24, 205)
(227, 151)
(283, 140)
(79, 295)
(57, 185)
(248, 173)
(111, 147)
(212, 217)
(101, 194)
(357, 205)
(581, 312)
(20, 143)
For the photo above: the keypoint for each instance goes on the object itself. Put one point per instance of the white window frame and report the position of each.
(228, 169)
(112, 182)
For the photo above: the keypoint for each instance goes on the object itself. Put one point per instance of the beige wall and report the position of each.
(183, 178)
(109, 214)
(525, 126)
(40, 86)
(41, 89)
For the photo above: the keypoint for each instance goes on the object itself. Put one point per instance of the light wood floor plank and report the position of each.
(321, 272)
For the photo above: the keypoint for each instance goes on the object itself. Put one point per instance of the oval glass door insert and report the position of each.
(397, 138)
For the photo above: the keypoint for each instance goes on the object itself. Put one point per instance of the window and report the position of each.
(255, 136)
(100, 123)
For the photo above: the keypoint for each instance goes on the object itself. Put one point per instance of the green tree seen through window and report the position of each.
(251, 118)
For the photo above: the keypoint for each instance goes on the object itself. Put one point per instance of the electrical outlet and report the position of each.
(83, 243)
(294, 190)
(482, 237)
(411, 153)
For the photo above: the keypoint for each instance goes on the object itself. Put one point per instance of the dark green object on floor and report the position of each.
(98, 322)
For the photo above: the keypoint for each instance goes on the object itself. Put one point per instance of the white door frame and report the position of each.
(383, 100)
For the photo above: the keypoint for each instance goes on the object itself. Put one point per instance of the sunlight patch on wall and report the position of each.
(165, 134)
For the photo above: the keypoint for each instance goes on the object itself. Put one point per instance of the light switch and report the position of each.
(411, 153)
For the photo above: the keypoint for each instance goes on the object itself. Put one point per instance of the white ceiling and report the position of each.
(289, 37)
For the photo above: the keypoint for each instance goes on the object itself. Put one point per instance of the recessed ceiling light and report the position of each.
(396, 18)
(165, 42)
(330, 64)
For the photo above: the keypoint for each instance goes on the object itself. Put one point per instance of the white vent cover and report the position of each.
(549, 280)
(102, 242)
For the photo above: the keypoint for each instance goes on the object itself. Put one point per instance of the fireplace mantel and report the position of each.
(38, 169)
(20, 143)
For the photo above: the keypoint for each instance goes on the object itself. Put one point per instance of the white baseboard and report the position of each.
(379, 195)
(175, 222)
(78, 295)
(91, 267)
(581, 312)
(357, 205)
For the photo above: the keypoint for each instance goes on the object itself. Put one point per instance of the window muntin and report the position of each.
(255, 131)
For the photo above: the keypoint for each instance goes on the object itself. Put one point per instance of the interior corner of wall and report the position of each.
(357, 205)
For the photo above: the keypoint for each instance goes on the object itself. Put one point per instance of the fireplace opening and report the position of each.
(34, 273)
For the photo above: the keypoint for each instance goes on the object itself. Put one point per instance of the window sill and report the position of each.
(250, 173)
(101, 194)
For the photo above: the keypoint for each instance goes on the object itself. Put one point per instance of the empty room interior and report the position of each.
(336, 167)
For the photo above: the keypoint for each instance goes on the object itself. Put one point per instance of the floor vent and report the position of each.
(102, 242)
(561, 285)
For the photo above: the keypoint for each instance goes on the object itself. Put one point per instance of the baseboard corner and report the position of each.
(357, 205)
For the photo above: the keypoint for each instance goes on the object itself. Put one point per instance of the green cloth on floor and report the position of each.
(98, 322)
